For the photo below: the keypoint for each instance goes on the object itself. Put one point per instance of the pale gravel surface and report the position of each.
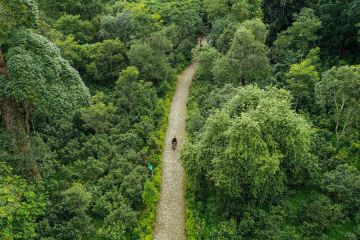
(170, 215)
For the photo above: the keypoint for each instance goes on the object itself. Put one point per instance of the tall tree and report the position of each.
(36, 82)
(339, 32)
(252, 147)
(301, 80)
(107, 58)
(338, 92)
(246, 61)
(14, 15)
(294, 43)
(279, 14)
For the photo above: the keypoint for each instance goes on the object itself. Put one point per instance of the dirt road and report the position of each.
(170, 216)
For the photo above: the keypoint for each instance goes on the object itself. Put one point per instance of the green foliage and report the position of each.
(343, 183)
(295, 42)
(74, 25)
(279, 14)
(339, 26)
(206, 58)
(20, 206)
(320, 215)
(135, 97)
(87, 9)
(338, 92)
(107, 58)
(252, 146)
(301, 80)
(98, 116)
(17, 14)
(152, 64)
(239, 10)
(35, 70)
(246, 61)
(225, 230)
(215, 9)
(184, 14)
(72, 51)
(243, 160)
(130, 20)
(251, 160)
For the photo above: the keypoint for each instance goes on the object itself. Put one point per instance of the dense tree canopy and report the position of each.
(246, 61)
(273, 143)
(35, 69)
(256, 169)
(241, 147)
(295, 42)
(79, 162)
(338, 91)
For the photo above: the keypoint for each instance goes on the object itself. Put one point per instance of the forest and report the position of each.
(273, 122)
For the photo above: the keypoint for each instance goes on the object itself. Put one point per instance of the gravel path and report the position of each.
(170, 215)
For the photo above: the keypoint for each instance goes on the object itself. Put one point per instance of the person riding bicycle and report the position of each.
(174, 142)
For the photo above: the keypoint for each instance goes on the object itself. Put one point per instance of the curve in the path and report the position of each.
(170, 215)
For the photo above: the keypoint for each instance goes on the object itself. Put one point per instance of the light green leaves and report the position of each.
(20, 206)
(252, 147)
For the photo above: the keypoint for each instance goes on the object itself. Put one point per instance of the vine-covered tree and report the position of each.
(36, 82)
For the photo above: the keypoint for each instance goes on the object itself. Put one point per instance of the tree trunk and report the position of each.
(17, 126)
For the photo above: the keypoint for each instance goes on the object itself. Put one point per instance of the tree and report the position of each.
(294, 43)
(206, 58)
(301, 80)
(225, 230)
(86, 8)
(129, 20)
(246, 61)
(72, 220)
(135, 98)
(152, 64)
(223, 41)
(252, 147)
(338, 92)
(226, 70)
(31, 70)
(119, 26)
(215, 9)
(74, 25)
(107, 58)
(16, 14)
(339, 26)
(319, 215)
(240, 10)
(279, 14)
(223, 28)
(343, 184)
(98, 115)
(184, 14)
(21, 205)
(72, 51)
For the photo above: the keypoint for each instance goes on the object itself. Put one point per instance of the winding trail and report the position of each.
(170, 215)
